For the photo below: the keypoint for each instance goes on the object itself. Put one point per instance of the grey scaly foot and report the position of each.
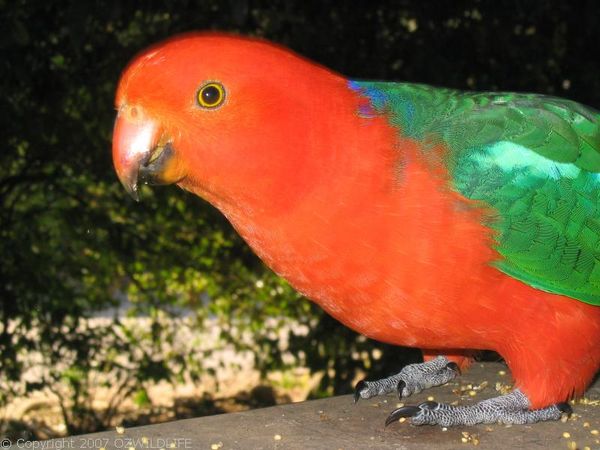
(511, 408)
(412, 379)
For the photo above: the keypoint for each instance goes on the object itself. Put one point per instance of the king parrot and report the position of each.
(418, 216)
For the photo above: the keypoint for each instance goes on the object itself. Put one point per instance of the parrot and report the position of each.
(450, 221)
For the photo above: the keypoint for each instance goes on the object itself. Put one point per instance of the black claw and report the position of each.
(565, 408)
(405, 411)
(400, 387)
(428, 405)
(358, 388)
(453, 366)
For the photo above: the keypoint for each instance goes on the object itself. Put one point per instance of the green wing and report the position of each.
(534, 159)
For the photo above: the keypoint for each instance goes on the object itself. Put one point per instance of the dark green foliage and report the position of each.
(72, 242)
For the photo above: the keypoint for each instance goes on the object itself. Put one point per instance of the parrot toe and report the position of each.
(405, 411)
(564, 408)
(511, 408)
(400, 388)
(409, 411)
(412, 379)
(358, 388)
(454, 367)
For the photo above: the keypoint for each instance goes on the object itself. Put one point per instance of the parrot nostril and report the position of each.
(133, 112)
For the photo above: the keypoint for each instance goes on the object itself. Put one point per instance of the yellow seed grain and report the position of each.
(566, 435)
(595, 432)
(464, 440)
(430, 398)
(472, 393)
(277, 437)
(120, 430)
(399, 405)
(586, 424)
(501, 373)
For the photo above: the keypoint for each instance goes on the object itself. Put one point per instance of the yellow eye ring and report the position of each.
(211, 95)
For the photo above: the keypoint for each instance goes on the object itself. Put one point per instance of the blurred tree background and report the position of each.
(73, 243)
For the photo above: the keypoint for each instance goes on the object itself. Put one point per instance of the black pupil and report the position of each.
(211, 95)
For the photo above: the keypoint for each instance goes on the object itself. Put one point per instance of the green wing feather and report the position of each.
(534, 159)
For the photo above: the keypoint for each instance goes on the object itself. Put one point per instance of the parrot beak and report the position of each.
(143, 152)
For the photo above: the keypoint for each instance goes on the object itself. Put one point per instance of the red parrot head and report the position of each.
(229, 118)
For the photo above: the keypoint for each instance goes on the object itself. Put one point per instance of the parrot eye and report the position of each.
(211, 95)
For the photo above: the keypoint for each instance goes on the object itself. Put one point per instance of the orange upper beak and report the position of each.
(143, 152)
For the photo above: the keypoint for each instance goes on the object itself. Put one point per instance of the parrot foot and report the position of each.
(412, 379)
(511, 408)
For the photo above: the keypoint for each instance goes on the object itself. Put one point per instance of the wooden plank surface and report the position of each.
(338, 423)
